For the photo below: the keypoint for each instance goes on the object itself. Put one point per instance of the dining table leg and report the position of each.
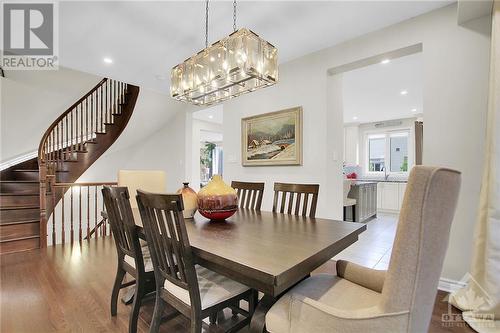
(258, 322)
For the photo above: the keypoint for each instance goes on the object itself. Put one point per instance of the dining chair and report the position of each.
(297, 195)
(133, 258)
(193, 290)
(401, 299)
(249, 194)
(146, 180)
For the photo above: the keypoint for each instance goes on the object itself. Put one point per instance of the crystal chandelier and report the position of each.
(239, 63)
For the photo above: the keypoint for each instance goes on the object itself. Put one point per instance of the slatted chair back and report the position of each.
(296, 199)
(121, 220)
(168, 241)
(249, 194)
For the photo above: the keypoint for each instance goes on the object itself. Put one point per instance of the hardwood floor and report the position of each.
(67, 289)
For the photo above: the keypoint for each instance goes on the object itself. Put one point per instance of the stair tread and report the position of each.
(19, 207)
(19, 222)
(19, 181)
(20, 194)
(19, 238)
(25, 170)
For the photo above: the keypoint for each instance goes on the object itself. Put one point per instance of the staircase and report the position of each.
(74, 141)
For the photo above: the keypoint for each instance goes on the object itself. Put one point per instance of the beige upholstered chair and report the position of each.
(146, 180)
(401, 299)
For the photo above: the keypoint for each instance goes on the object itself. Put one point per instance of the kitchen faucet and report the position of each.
(386, 175)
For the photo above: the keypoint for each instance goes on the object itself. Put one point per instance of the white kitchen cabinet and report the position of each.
(402, 189)
(380, 191)
(390, 196)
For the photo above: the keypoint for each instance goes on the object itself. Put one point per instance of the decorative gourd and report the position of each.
(217, 200)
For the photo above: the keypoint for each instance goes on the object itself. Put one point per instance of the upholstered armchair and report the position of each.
(401, 299)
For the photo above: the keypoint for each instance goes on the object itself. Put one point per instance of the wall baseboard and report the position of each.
(450, 285)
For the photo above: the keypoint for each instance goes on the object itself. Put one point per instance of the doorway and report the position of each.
(207, 145)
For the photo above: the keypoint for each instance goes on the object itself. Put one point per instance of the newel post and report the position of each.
(43, 205)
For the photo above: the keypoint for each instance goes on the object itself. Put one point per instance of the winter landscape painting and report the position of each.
(272, 138)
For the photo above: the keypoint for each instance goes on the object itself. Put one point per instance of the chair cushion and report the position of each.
(349, 202)
(148, 263)
(324, 288)
(214, 288)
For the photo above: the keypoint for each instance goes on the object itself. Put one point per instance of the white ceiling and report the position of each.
(213, 114)
(145, 39)
(373, 93)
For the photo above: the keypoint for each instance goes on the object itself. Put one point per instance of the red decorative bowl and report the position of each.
(217, 215)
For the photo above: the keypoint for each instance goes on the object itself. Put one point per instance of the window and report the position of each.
(376, 153)
(388, 150)
(399, 152)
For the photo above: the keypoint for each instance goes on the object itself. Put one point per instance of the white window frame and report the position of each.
(387, 156)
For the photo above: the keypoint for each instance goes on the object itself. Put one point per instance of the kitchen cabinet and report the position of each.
(365, 194)
(402, 189)
(390, 195)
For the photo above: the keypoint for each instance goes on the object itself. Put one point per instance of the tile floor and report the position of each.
(373, 249)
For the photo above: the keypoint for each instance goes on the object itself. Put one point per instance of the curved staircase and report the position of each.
(74, 141)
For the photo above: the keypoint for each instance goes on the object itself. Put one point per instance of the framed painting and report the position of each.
(272, 138)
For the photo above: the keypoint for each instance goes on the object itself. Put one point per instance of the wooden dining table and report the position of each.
(269, 252)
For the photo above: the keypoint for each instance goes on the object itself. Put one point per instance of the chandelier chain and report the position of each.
(234, 15)
(206, 23)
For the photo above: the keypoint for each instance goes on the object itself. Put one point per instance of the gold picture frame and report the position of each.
(273, 138)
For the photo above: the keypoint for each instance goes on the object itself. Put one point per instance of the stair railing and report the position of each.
(77, 216)
(69, 133)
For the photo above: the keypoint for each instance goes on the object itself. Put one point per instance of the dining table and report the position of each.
(269, 252)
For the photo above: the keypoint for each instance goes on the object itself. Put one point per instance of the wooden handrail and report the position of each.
(64, 114)
(85, 184)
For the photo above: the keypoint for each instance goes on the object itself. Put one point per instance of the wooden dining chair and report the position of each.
(249, 194)
(289, 198)
(133, 258)
(193, 290)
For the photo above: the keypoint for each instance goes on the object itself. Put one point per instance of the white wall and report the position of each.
(31, 101)
(161, 150)
(351, 144)
(455, 99)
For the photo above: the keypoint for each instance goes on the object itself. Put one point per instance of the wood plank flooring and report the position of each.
(67, 289)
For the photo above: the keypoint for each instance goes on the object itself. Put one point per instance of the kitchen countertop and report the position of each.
(362, 182)
(381, 180)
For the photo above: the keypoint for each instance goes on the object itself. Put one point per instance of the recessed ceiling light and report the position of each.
(413, 110)
(385, 61)
(354, 118)
(404, 92)
(160, 77)
(210, 117)
(107, 60)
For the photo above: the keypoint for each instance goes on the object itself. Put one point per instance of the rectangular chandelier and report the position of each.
(237, 64)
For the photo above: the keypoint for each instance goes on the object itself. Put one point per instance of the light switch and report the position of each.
(232, 159)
